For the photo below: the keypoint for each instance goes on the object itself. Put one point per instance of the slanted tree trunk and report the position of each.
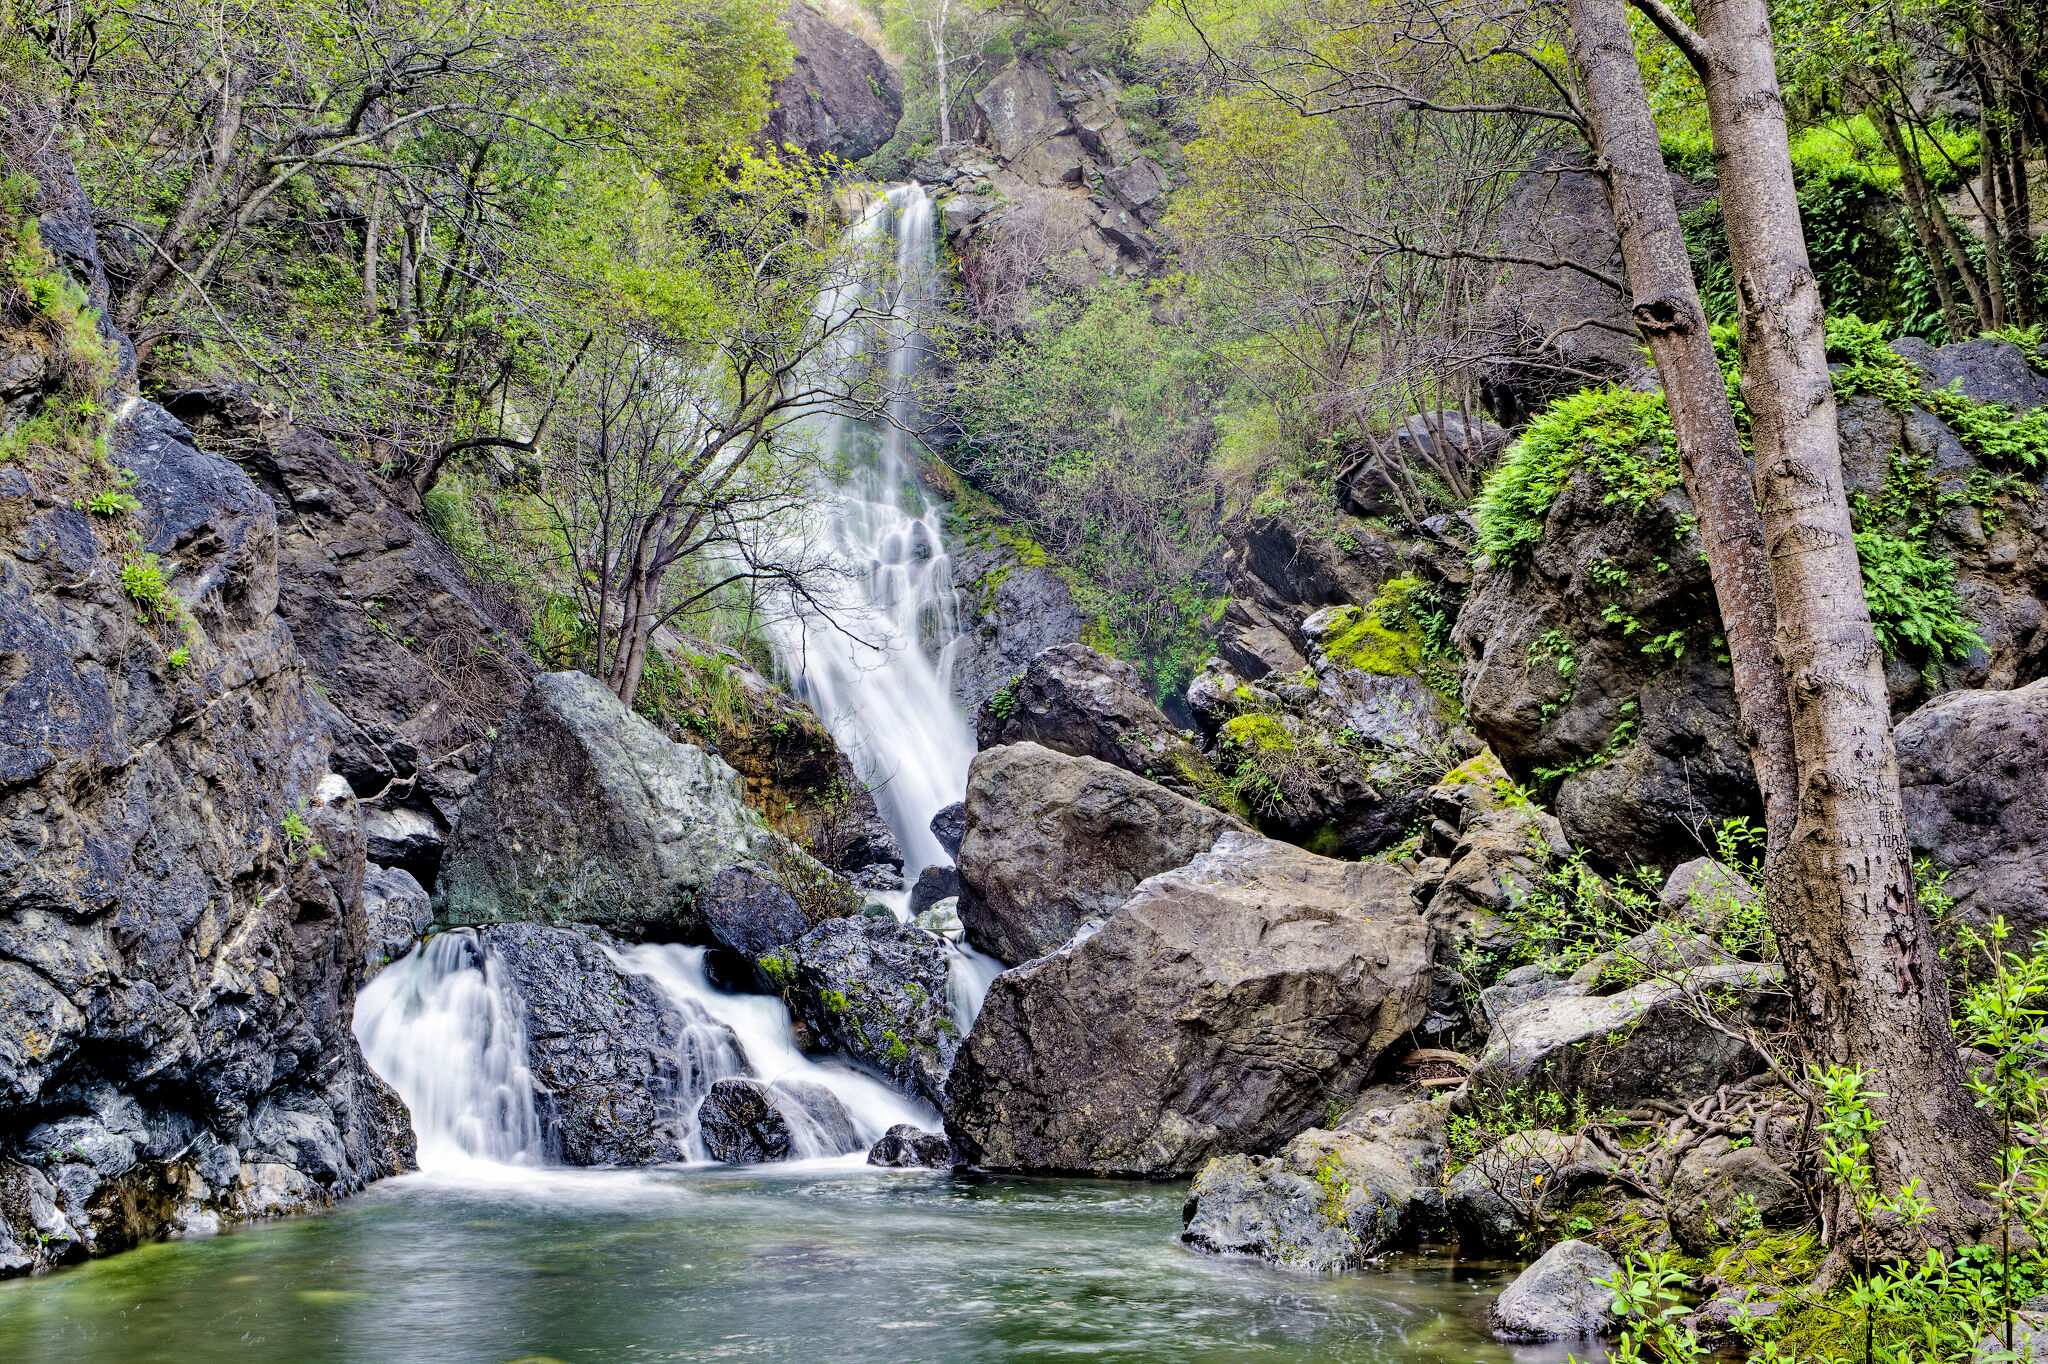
(1868, 985)
(1913, 188)
(1667, 310)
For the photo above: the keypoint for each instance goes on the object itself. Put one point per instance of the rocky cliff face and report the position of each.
(840, 99)
(181, 921)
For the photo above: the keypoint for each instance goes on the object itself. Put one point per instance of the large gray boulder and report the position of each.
(876, 990)
(1012, 610)
(396, 913)
(586, 814)
(615, 1061)
(1218, 1011)
(840, 97)
(1645, 1042)
(1563, 1296)
(1054, 841)
(1715, 1188)
(1081, 702)
(751, 913)
(1497, 1199)
(1973, 769)
(1330, 1199)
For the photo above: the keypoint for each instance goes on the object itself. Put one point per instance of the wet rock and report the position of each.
(1642, 1043)
(751, 914)
(406, 838)
(876, 990)
(949, 826)
(1012, 610)
(749, 1122)
(1330, 1199)
(1078, 701)
(587, 814)
(840, 98)
(1971, 771)
(1054, 841)
(1707, 1205)
(1494, 1201)
(614, 1058)
(1560, 1297)
(933, 885)
(397, 912)
(910, 1148)
(1217, 1011)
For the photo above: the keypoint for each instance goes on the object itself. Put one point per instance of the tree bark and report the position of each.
(1667, 310)
(199, 196)
(1913, 187)
(1868, 985)
(371, 232)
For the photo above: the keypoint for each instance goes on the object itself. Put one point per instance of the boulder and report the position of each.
(1706, 1206)
(1645, 1042)
(751, 1122)
(1017, 110)
(397, 913)
(876, 990)
(1254, 643)
(1563, 1296)
(912, 1148)
(934, 884)
(587, 814)
(1704, 895)
(406, 837)
(1330, 1199)
(1013, 608)
(1971, 771)
(840, 98)
(1218, 1011)
(2029, 1342)
(1496, 1198)
(750, 913)
(614, 1060)
(1987, 368)
(949, 826)
(1054, 841)
(1078, 701)
(1484, 850)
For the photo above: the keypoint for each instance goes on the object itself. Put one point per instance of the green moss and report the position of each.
(1483, 770)
(778, 971)
(1210, 786)
(1258, 733)
(1335, 1184)
(1326, 841)
(1624, 438)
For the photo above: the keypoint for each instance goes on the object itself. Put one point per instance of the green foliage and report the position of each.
(179, 656)
(299, 842)
(142, 578)
(1622, 438)
(1994, 433)
(1913, 601)
(1499, 1115)
(1002, 702)
(1649, 1296)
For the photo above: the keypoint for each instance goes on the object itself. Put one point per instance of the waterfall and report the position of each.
(446, 1030)
(873, 662)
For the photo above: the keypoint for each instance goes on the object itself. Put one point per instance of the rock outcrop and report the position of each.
(181, 914)
(1220, 1010)
(396, 913)
(1494, 1202)
(1970, 769)
(1054, 841)
(1081, 702)
(1330, 1199)
(586, 814)
(840, 98)
(1013, 608)
(876, 990)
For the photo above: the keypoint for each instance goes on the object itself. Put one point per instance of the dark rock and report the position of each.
(1254, 643)
(748, 1122)
(1495, 1200)
(1986, 368)
(176, 972)
(1706, 1193)
(949, 826)
(1018, 110)
(751, 914)
(1704, 895)
(587, 814)
(1563, 1296)
(397, 912)
(876, 990)
(1974, 777)
(1218, 1011)
(1270, 561)
(839, 99)
(933, 885)
(1012, 610)
(1331, 1199)
(405, 837)
(1076, 700)
(1643, 1043)
(1054, 841)
(910, 1148)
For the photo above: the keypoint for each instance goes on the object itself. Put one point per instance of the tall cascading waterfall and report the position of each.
(873, 662)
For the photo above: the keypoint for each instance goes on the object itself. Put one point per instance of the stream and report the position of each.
(494, 1254)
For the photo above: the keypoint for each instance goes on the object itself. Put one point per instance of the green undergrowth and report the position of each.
(1623, 438)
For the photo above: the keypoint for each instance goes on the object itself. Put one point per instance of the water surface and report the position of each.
(827, 1263)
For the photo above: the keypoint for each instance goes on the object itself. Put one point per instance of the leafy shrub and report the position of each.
(1913, 601)
(1623, 438)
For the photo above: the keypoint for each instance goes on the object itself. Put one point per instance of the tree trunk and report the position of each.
(371, 232)
(938, 29)
(1913, 187)
(1868, 985)
(408, 269)
(1667, 311)
(199, 196)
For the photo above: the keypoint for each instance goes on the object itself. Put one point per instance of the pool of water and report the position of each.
(834, 1263)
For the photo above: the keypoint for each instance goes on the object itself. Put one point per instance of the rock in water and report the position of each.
(748, 1122)
(876, 990)
(397, 911)
(1054, 841)
(614, 1058)
(1494, 1200)
(586, 814)
(949, 826)
(1331, 1199)
(933, 885)
(1078, 701)
(1218, 1011)
(1560, 1297)
(910, 1148)
(751, 914)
